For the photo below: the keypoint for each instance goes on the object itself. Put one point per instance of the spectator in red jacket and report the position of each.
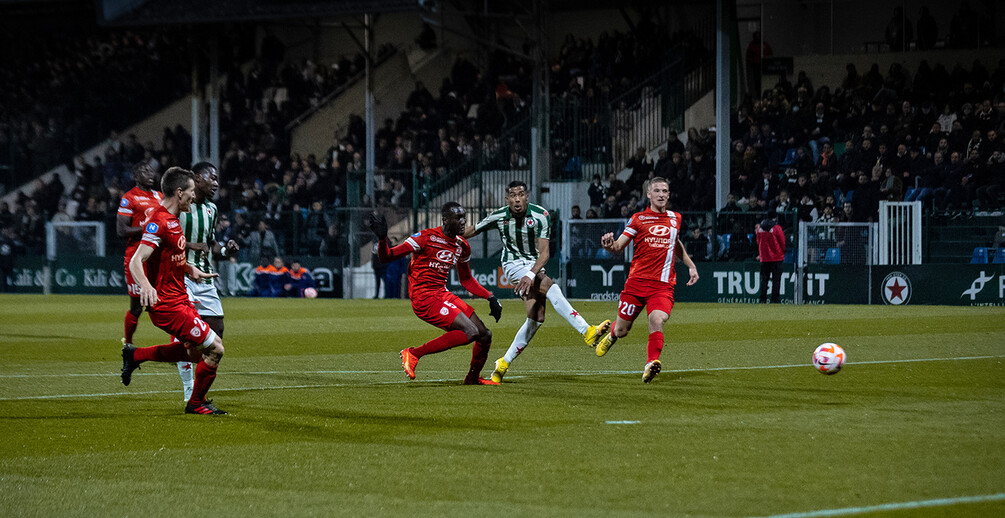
(771, 253)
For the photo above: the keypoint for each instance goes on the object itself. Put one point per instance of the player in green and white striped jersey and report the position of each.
(525, 229)
(199, 226)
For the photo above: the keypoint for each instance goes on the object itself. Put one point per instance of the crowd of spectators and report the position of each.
(57, 98)
(819, 153)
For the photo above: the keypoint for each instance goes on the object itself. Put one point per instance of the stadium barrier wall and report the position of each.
(106, 275)
(956, 284)
(598, 279)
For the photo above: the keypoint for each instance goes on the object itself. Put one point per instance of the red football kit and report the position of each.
(433, 255)
(165, 269)
(137, 204)
(651, 277)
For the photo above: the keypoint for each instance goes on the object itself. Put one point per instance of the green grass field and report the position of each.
(323, 421)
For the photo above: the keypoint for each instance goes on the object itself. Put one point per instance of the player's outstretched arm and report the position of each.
(692, 270)
(148, 294)
(611, 245)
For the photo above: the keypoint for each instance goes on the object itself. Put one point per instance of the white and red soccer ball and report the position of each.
(829, 358)
(310, 293)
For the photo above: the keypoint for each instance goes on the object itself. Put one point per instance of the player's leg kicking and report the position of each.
(544, 289)
(198, 343)
(463, 327)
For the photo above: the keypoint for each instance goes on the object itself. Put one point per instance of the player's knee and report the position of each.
(546, 284)
(621, 329)
(484, 336)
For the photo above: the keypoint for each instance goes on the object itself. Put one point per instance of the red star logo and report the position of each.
(188, 366)
(574, 313)
(896, 289)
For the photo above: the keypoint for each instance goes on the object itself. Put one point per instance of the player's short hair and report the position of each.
(449, 207)
(175, 178)
(202, 167)
(517, 183)
(659, 179)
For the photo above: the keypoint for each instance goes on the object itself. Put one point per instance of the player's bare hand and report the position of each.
(201, 247)
(693, 274)
(148, 296)
(607, 240)
(523, 287)
(495, 308)
(232, 247)
(198, 275)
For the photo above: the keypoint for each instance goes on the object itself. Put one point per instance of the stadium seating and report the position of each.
(999, 257)
(980, 255)
(833, 256)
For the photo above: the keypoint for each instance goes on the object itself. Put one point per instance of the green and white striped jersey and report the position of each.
(519, 237)
(199, 225)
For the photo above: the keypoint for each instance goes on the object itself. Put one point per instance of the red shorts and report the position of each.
(182, 321)
(440, 308)
(654, 295)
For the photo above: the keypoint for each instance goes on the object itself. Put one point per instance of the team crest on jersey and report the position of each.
(124, 203)
(151, 228)
(530, 222)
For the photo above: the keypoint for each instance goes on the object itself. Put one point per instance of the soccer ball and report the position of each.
(310, 293)
(828, 358)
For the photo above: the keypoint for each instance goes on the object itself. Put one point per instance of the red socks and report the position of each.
(479, 353)
(655, 346)
(204, 376)
(172, 352)
(130, 325)
(442, 343)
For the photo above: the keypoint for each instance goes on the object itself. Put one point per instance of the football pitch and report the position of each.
(324, 422)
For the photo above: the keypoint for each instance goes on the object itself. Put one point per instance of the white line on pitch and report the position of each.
(917, 504)
(530, 371)
(584, 373)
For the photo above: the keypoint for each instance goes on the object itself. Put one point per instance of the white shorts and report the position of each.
(205, 297)
(518, 268)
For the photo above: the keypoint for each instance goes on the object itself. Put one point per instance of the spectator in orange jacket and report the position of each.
(297, 279)
(269, 279)
(771, 253)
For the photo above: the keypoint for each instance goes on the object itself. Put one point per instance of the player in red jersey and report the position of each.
(162, 292)
(651, 278)
(434, 252)
(136, 205)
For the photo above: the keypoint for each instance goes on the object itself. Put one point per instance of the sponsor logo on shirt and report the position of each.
(659, 230)
(438, 240)
(151, 228)
(124, 203)
(446, 256)
(172, 225)
(417, 234)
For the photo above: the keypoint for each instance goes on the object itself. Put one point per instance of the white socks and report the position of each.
(521, 339)
(187, 373)
(563, 308)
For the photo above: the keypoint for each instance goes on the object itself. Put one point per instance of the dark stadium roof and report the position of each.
(150, 12)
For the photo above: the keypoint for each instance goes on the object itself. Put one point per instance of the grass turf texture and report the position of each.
(323, 421)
